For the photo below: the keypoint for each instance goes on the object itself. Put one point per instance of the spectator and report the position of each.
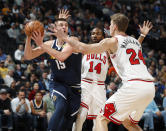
(21, 109)
(2, 55)
(33, 92)
(6, 9)
(9, 78)
(9, 63)
(33, 79)
(18, 2)
(39, 107)
(15, 9)
(161, 64)
(41, 68)
(50, 105)
(19, 75)
(19, 53)
(3, 69)
(150, 112)
(1, 21)
(5, 110)
(12, 90)
(23, 64)
(44, 82)
(12, 31)
(21, 37)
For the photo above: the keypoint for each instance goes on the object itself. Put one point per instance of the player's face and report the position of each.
(96, 35)
(112, 28)
(62, 25)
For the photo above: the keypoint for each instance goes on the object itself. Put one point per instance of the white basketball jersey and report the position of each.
(128, 60)
(95, 66)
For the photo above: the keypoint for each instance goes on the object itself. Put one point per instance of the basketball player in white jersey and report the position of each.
(94, 71)
(127, 105)
(93, 75)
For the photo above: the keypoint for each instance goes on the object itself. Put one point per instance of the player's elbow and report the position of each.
(27, 57)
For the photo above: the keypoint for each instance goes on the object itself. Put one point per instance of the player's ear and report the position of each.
(115, 27)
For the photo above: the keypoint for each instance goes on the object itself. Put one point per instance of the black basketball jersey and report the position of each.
(36, 107)
(69, 71)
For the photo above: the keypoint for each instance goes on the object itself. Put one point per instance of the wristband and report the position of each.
(143, 35)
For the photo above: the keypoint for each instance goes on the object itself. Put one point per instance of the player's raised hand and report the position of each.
(146, 27)
(37, 37)
(64, 14)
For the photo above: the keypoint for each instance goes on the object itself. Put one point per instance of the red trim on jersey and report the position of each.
(133, 121)
(87, 81)
(100, 84)
(91, 117)
(91, 81)
(140, 80)
(112, 119)
(84, 105)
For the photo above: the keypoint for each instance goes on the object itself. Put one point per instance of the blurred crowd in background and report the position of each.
(33, 76)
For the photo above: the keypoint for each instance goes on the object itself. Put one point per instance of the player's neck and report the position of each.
(120, 33)
(59, 42)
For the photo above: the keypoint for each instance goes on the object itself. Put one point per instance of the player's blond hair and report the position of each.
(121, 21)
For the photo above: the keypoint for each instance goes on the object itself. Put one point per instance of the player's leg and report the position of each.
(94, 125)
(83, 109)
(130, 126)
(58, 94)
(81, 117)
(58, 116)
(141, 102)
(101, 123)
(99, 98)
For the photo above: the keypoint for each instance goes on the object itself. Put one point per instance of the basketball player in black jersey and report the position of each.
(65, 75)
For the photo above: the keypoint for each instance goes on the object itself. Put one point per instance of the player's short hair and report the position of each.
(102, 30)
(121, 21)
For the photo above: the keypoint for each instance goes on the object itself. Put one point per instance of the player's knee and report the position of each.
(60, 105)
(101, 119)
(82, 114)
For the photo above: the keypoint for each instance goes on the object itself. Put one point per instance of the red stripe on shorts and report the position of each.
(91, 117)
(133, 121)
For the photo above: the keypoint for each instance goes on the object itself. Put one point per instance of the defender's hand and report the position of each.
(147, 26)
(64, 14)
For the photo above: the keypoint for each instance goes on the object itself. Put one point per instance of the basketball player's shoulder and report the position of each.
(110, 40)
(110, 44)
(50, 42)
(74, 37)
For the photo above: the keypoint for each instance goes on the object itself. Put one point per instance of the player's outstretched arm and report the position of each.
(64, 14)
(46, 47)
(107, 44)
(30, 53)
(144, 29)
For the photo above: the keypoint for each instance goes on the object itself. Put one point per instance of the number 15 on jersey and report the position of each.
(60, 65)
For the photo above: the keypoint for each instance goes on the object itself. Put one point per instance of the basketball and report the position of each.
(32, 26)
